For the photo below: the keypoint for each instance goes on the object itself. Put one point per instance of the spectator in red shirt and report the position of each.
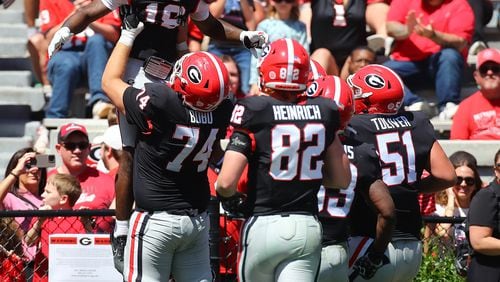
(478, 116)
(431, 43)
(86, 56)
(97, 187)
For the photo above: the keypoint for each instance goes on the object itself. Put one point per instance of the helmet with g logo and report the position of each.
(377, 89)
(202, 79)
(335, 88)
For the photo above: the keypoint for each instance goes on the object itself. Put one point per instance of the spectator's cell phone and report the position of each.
(42, 161)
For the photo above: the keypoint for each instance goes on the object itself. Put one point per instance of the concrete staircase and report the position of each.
(16, 84)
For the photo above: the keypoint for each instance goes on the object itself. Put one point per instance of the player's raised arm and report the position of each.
(112, 82)
(76, 23)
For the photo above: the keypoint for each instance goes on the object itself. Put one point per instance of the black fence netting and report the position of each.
(24, 255)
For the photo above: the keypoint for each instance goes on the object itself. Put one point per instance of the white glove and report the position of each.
(130, 33)
(253, 39)
(61, 36)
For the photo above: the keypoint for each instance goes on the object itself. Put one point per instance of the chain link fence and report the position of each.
(445, 256)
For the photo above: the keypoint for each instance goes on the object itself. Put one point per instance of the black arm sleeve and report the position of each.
(240, 142)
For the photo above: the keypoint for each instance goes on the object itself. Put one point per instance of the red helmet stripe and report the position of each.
(337, 88)
(314, 70)
(291, 52)
(220, 76)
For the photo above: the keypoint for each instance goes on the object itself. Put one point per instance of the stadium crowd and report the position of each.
(302, 118)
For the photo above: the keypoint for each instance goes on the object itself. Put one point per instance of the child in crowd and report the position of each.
(283, 22)
(61, 192)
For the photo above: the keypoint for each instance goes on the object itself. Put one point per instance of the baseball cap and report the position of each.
(70, 128)
(112, 137)
(489, 54)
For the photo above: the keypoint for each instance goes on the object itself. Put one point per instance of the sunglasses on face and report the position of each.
(483, 70)
(72, 146)
(468, 180)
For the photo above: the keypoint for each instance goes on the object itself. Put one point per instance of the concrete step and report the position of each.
(12, 16)
(10, 146)
(8, 30)
(17, 5)
(15, 78)
(13, 144)
(22, 96)
(15, 63)
(13, 48)
(483, 150)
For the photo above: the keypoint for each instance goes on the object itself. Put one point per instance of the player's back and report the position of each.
(335, 206)
(289, 144)
(404, 142)
(161, 19)
(175, 144)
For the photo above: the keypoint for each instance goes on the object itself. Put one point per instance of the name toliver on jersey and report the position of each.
(403, 141)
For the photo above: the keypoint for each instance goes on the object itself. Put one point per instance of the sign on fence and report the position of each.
(81, 257)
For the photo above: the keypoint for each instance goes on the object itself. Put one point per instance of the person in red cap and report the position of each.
(478, 115)
(98, 190)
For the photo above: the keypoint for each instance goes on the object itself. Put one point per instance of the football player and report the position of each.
(334, 205)
(178, 124)
(407, 146)
(290, 144)
(165, 32)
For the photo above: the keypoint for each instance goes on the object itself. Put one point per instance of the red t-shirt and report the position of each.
(477, 118)
(54, 12)
(56, 225)
(98, 192)
(452, 16)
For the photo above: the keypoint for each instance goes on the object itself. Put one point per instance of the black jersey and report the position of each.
(336, 206)
(289, 143)
(174, 147)
(404, 142)
(161, 19)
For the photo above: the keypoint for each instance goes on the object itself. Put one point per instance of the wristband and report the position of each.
(15, 175)
(127, 38)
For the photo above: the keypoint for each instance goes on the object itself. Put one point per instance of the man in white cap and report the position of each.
(111, 149)
(478, 115)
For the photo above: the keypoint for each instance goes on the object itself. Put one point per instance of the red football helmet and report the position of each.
(202, 80)
(377, 90)
(284, 65)
(335, 88)
(316, 70)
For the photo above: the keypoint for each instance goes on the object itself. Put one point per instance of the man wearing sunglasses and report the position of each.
(98, 190)
(477, 116)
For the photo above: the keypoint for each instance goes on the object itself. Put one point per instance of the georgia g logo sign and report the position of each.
(194, 74)
(375, 81)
